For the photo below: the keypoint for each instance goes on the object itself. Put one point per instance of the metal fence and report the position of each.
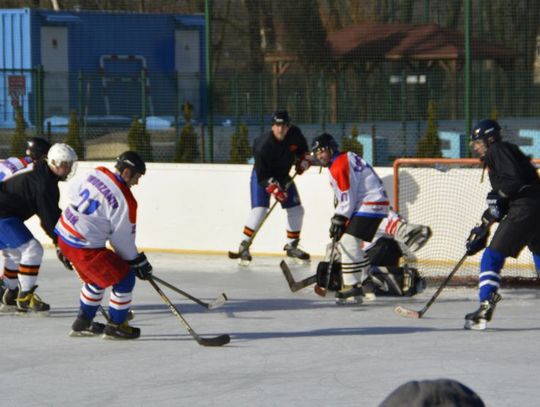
(388, 105)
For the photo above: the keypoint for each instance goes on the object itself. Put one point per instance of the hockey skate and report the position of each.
(29, 303)
(368, 290)
(478, 319)
(295, 253)
(245, 256)
(120, 331)
(349, 295)
(83, 327)
(8, 300)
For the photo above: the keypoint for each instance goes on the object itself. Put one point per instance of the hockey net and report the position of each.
(449, 196)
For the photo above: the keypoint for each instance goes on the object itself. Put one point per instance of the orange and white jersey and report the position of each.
(101, 208)
(12, 165)
(358, 189)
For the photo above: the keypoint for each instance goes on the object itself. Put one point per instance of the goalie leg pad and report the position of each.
(385, 252)
(397, 281)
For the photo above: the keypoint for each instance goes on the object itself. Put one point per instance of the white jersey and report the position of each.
(12, 165)
(101, 208)
(358, 189)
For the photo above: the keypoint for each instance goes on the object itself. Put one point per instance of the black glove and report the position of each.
(497, 206)
(143, 269)
(63, 259)
(337, 226)
(477, 239)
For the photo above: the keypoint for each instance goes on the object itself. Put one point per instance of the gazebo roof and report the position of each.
(372, 41)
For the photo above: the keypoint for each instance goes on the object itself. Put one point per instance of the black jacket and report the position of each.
(511, 172)
(32, 193)
(274, 159)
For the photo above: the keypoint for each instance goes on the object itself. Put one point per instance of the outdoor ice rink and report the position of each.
(287, 349)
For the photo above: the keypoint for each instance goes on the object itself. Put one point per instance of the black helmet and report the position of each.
(37, 148)
(487, 130)
(130, 159)
(324, 142)
(281, 117)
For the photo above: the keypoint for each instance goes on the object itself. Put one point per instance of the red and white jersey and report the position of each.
(101, 208)
(12, 165)
(358, 189)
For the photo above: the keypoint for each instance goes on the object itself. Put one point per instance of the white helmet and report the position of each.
(61, 153)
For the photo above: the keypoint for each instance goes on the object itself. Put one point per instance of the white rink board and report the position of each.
(203, 207)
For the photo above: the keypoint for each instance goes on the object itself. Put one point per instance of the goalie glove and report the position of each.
(303, 163)
(338, 224)
(273, 188)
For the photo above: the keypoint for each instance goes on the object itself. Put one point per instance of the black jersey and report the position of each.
(32, 193)
(511, 172)
(274, 159)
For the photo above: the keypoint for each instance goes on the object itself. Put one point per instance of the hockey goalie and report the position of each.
(392, 259)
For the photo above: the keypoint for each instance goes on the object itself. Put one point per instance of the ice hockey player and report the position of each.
(26, 194)
(362, 204)
(275, 153)
(513, 202)
(102, 209)
(36, 150)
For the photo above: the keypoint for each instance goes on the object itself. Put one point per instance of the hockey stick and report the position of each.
(296, 285)
(218, 302)
(236, 255)
(408, 313)
(215, 341)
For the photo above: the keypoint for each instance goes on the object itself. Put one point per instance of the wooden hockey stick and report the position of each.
(236, 255)
(215, 341)
(408, 313)
(296, 285)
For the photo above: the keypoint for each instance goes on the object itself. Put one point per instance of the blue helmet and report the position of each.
(324, 142)
(487, 130)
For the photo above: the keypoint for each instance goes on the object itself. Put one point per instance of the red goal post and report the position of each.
(449, 195)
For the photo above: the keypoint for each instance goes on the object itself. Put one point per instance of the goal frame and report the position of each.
(512, 281)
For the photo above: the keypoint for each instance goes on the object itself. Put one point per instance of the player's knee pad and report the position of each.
(492, 260)
(334, 283)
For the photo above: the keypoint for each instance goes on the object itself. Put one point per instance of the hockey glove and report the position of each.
(303, 163)
(477, 239)
(273, 188)
(338, 224)
(67, 264)
(497, 206)
(143, 269)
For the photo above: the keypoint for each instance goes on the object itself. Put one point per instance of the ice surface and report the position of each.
(287, 349)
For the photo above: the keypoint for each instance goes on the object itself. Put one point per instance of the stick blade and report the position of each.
(233, 255)
(216, 341)
(218, 302)
(407, 313)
